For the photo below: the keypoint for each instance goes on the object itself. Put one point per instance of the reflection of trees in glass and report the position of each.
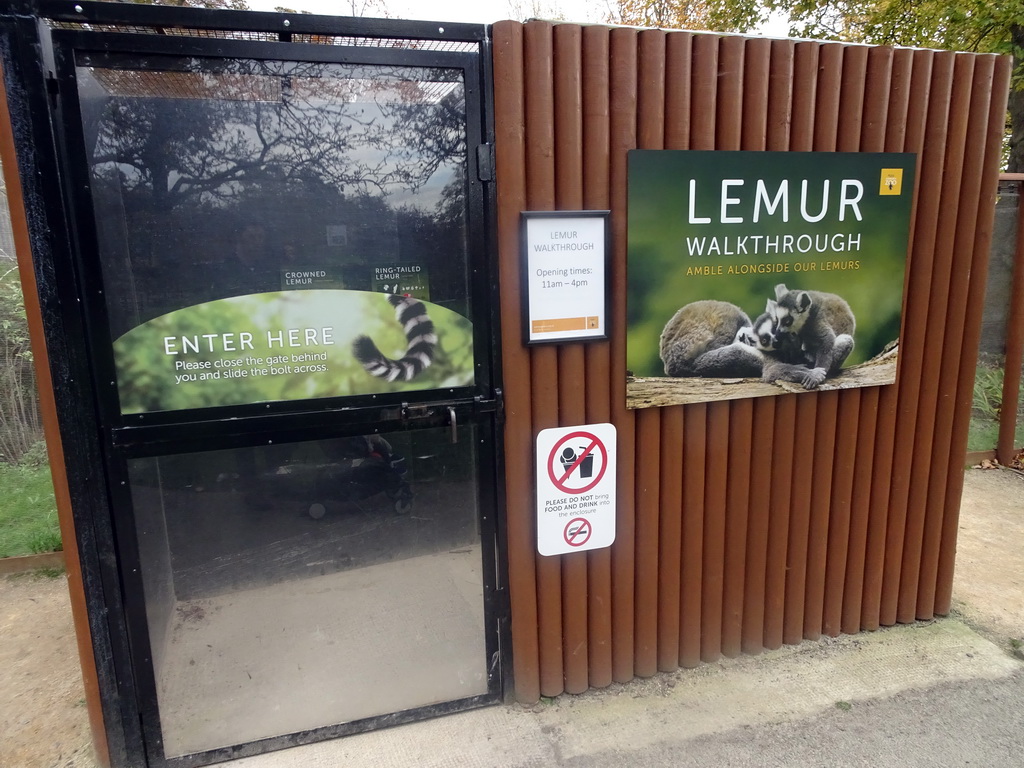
(192, 132)
(210, 178)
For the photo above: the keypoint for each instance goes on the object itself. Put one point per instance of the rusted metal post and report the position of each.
(1014, 343)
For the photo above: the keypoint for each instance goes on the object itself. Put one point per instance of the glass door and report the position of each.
(282, 264)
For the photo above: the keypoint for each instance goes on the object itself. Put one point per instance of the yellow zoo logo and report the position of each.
(892, 182)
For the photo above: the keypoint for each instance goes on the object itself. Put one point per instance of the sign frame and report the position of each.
(528, 276)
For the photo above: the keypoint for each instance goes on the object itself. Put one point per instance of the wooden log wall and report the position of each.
(746, 524)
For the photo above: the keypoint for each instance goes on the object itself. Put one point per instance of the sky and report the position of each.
(475, 11)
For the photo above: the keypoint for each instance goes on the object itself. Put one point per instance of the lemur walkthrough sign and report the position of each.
(760, 273)
(575, 488)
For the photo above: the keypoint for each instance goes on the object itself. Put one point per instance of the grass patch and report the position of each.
(28, 511)
(986, 405)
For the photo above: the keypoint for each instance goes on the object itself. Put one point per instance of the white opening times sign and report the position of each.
(565, 276)
(575, 488)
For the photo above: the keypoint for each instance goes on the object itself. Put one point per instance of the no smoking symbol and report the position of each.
(566, 465)
(577, 532)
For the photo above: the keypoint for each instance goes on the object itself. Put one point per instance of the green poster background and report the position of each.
(157, 371)
(660, 236)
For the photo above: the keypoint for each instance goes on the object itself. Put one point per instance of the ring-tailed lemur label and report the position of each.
(759, 273)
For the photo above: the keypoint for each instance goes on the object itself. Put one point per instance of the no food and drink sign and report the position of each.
(575, 488)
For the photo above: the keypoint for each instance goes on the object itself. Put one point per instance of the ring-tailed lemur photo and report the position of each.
(784, 358)
(823, 323)
(710, 338)
(421, 343)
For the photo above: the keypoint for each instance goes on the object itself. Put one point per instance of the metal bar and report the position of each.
(1005, 447)
(298, 23)
(69, 557)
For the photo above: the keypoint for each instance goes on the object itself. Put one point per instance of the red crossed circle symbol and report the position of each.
(594, 443)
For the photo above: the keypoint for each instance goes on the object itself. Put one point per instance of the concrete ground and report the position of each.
(942, 693)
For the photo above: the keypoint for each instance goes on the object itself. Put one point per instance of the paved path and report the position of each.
(943, 693)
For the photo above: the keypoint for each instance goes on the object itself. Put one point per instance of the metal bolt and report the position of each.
(78, 9)
(440, 30)
(287, 23)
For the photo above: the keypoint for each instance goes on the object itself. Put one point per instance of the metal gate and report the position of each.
(282, 412)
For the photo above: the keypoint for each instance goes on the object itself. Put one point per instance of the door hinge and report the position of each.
(485, 162)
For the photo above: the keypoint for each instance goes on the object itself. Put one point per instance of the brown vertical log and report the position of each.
(702, 136)
(969, 349)
(756, 76)
(729, 131)
(623, 99)
(650, 135)
(568, 116)
(678, 50)
(956, 289)
(876, 106)
(913, 339)
(826, 125)
(938, 295)
(540, 195)
(805, 87)
(598, 354)
(670, 538)
(780, 114)
(510, 159)
(690, 601)
(51, 429)
(703, 79)
(908, 103)
(848, 422)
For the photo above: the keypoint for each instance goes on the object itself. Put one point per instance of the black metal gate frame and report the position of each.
(38, 44)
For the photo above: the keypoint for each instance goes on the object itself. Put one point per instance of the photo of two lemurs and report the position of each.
(803, 337)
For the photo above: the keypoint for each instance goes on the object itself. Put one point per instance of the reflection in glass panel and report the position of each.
(294, 586)
(216, 178)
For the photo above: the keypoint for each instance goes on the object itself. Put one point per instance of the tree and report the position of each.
(959, 25)
(720, 15)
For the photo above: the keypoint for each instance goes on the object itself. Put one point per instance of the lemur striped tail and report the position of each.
(419, 333)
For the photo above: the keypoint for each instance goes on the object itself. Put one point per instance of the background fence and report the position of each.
(741, 525)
